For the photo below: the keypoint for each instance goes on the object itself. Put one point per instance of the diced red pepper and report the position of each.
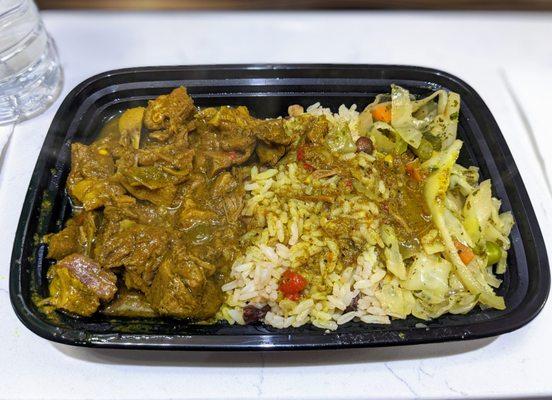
(300, 153)
(301, 157)
(291, 284)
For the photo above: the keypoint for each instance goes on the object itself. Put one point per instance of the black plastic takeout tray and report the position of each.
(267, 90)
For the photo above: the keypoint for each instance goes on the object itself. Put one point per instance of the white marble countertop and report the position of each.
(507, 57)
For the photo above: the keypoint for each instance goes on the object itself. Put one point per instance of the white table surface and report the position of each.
(507, 57)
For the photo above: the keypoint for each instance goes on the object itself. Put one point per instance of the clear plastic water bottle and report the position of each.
(30, 74)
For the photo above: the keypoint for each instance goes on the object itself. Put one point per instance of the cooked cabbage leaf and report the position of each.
(444, 126)
(430, 275)
(401, 116)
(477, 211)
(393, 258)
(386, 138)
(396, 301)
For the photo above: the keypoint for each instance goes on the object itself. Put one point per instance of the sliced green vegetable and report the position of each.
(494, 253)
(424, 150)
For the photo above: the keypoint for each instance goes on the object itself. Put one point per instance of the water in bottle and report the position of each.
(30, 74)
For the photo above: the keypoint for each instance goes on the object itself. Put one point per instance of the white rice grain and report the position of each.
(375, 319)
(343, 319)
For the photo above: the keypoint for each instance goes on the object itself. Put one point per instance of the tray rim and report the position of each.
(236, 342)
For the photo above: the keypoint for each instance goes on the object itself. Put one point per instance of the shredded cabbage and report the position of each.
(452, 267)
(435, 190)
(415, 122)
(455, 265)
